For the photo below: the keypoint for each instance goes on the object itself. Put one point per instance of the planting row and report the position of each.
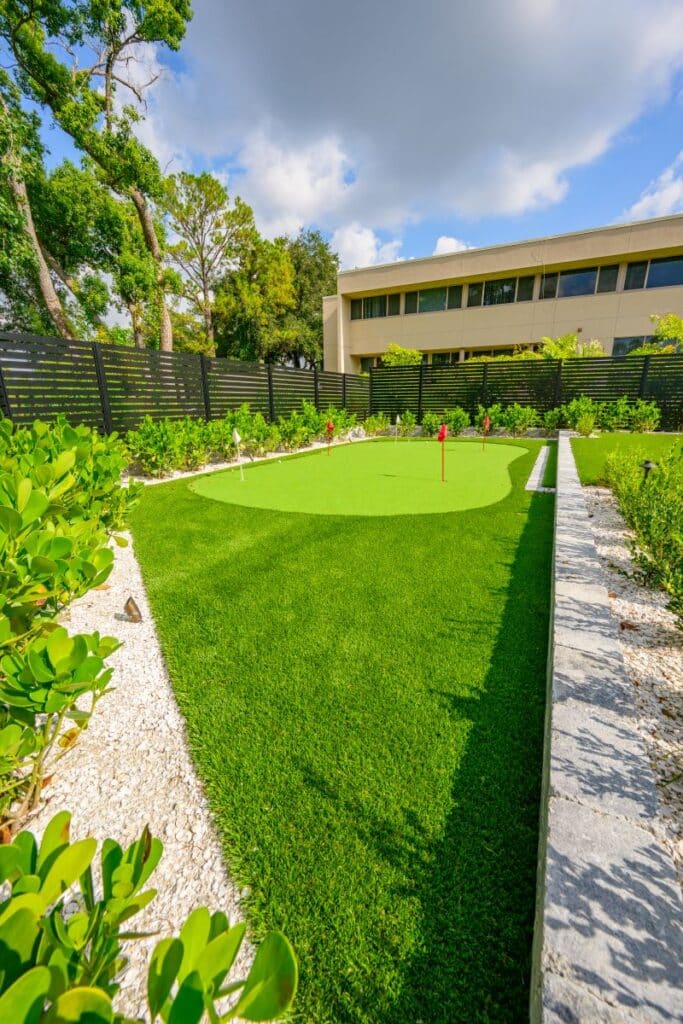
(61, 508)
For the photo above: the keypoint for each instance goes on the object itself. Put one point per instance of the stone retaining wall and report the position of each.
(608, 942)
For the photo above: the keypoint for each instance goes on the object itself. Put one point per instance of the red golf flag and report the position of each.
(443, 433)
(487, 423)
(441, 436)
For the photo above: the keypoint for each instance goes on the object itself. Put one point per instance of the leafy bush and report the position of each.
(396, 355)
(430, 424)
(644, 416)
(552, 420)
(614, 415)
(517, 419)
(59, 968)
(456, 419)
(653, 509)
(377, 424)
(407, 424)
(495, 414)
(585, 424)
(578, 407)
(155, 447)
(60, 503)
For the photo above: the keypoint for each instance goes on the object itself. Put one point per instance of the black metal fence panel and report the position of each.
(542, 384)
(111, 387)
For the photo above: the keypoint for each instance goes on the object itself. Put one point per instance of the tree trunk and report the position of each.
(136, 324)
(208, 323)
(152, 242)
(47, 289)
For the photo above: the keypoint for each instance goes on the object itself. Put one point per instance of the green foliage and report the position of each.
(456, 419)
(315, 275)
(614, 415)
(653, 508)
(60, 502)
(552, 420)
(377, 424)
(517, 419)
(578, 407)
(568, 346)
(407, 424)
(430, 424)
(668, 332)
(396, 355)
(60, 967)
(643, 416)
(585, 424)
(494, 413)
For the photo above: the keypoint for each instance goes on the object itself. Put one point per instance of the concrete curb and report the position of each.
(608, 940)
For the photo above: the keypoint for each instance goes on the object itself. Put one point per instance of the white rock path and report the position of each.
(652, 647)
(132, 768)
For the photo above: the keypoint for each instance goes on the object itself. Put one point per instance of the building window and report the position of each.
(356, 309)
(525, 289)
(455, 296)
(665, 272)
(432, 300)
(496, 293)
(442, 358)
(622, 346)
(548, 286)
(410, 302)
(607, 278)
(635, 275)
(577, 282)
(394, 304)
(366, 363)
(475, 293)
(374, 306)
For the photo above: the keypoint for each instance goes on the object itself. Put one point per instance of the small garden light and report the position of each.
(647, 466)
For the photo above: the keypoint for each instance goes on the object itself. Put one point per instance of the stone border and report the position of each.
(536, 475)
(608, 940)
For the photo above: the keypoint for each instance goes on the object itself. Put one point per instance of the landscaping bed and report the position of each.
(364, 701)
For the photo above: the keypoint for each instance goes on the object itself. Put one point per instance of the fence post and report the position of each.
(420, 385)
(316, 397)
(203, 364)
(4, 397)
(484, 385)
(271, 395)
(642, 391)
(558, 384)
(370, 401)
(343, 390)
(102, 387)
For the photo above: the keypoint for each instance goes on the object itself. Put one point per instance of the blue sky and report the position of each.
(486, 122)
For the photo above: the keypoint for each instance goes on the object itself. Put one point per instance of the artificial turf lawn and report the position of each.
(550, 471)
(376, 478)
(364, 701)
(590, 453)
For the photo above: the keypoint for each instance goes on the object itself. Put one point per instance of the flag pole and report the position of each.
(398, 420)
(441, 438)
(236, 441)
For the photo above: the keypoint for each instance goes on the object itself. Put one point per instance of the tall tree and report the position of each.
(21, 157)
(315, 275)
(84, 100)
(210, 235)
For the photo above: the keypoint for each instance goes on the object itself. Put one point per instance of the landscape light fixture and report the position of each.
(647, 466)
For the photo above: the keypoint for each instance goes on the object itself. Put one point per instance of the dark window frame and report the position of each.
(662, 262)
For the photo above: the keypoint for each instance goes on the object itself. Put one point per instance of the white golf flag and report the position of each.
(235, 436)
(398, 420)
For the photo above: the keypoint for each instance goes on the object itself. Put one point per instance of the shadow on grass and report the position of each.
(476, 886)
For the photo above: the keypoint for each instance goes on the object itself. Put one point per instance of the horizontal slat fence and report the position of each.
(111, 387)
(542, 384)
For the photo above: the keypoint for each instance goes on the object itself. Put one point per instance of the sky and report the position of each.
(402, 130)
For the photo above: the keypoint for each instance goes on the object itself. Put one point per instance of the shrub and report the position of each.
(60, 967)
(585, 424)
(456, 419)
(407, 424)
(60, 503)
(155, 447)
(653, 509)
(644, 416)
(396, 355)
(578, 407)
(517, 419)
(377, 424)
(552, 418)
(614, 415)
(430, 424)
(495, 414)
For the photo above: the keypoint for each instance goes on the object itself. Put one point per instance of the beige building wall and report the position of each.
(601, 316)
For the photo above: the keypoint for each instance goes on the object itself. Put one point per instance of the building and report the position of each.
(603, 283)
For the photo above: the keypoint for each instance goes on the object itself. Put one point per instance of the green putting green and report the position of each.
(383, 478)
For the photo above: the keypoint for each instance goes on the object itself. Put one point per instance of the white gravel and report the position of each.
(652, 646)
(131, 767)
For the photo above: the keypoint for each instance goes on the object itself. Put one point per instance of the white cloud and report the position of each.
(662, 196)
(359, 246)
(484, 111)
(446, 244)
